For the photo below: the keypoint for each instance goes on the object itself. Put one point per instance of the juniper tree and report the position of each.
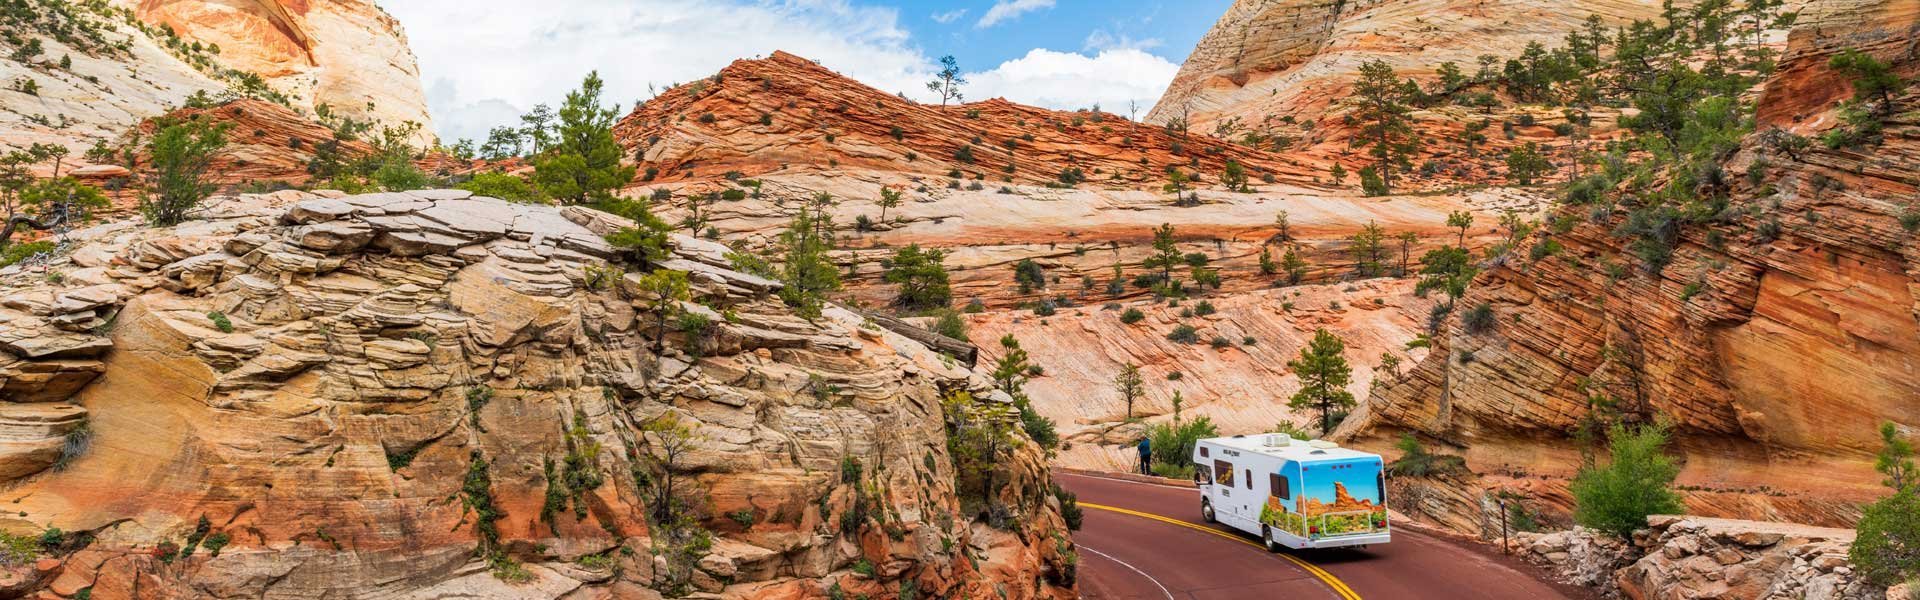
(922, 277)
(180, 154)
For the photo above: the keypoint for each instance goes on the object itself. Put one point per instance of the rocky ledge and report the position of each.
(1698, 557)
(428, 394)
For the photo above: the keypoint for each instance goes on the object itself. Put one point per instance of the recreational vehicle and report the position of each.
(1293, 493)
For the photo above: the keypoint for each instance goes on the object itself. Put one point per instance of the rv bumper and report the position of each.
(1351, 540)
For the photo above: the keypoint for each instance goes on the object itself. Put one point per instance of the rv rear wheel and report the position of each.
(1206, 511)
(1266, 535)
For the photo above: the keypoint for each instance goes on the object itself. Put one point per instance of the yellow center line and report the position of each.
(1339, 587)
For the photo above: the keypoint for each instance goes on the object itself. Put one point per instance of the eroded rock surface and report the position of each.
(318, 380)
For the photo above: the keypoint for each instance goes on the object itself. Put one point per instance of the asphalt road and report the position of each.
(1146, 542)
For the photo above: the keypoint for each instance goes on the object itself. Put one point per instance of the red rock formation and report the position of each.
(266, 142)
(785, 113)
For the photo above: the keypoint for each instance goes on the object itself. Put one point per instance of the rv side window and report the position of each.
(1223, 472)
(1278, 486)
(1249, 479)
(1203, 452)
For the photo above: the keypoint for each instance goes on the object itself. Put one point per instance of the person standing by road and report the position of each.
(1146, 456)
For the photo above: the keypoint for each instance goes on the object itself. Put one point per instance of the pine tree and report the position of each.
(1324, 375)
(1294, 266)
(180, 155)
(1166, 255)
(1386, 130)
(1130, 386)
(1367, 246)
(583, 165)
(808, 273)
(922, 277)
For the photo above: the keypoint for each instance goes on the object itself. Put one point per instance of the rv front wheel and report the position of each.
(1206, 511)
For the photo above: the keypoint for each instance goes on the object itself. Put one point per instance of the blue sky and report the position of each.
(484, 62)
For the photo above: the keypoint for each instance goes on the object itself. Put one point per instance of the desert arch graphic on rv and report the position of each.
(1293, 493)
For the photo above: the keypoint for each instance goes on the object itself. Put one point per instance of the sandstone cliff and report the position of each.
(1297, 57)
(392, 395)
(104, 67)
(1776, 340)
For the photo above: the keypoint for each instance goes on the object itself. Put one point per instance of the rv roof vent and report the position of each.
(1323, 444)
(1318, 452)
(1278, 439)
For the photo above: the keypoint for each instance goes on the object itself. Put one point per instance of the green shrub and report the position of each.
(1479, 319)
(1131, 316)
(1416, 461)
(1185, 334)
(1173, 442)
(220, 321)
(1637, 482)
(18, 252)
(1069, 507)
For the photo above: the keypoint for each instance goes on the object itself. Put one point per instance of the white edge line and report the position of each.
(1156, 582)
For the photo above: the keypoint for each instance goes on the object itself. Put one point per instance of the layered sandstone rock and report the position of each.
(1297, 57)
(347, 54)
(319, 380)
(1776, 355)
(786, 113)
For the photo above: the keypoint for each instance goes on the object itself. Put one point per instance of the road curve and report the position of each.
(1127, 553)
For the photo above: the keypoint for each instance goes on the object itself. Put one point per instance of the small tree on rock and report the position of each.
(947, 82)
(1324, 374)
(922, 277)
(180, 153)
(583, 165)
(1130, 386)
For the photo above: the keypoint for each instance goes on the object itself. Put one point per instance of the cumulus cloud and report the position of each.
(1101, 40)
(1009, 9)
(1067, 80)
(488, 59)
(949, 16)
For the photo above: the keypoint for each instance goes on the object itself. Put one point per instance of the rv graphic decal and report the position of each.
(1335, 500)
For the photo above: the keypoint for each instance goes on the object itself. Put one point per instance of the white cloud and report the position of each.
(1067, 80)
(488, 60)
(949, 16)
(1008, 9)
(1101, 40)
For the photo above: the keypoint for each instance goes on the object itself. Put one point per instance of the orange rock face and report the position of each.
(786, 113)
(1776, 357)
(345, 53)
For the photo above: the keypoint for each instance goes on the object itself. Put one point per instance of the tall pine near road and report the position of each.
(583, 163)
(1386, 130)
(1324, 374)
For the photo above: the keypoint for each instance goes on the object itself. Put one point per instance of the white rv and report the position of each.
(1293, 493)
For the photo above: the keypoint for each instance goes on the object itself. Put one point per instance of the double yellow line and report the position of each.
(1338, 587)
